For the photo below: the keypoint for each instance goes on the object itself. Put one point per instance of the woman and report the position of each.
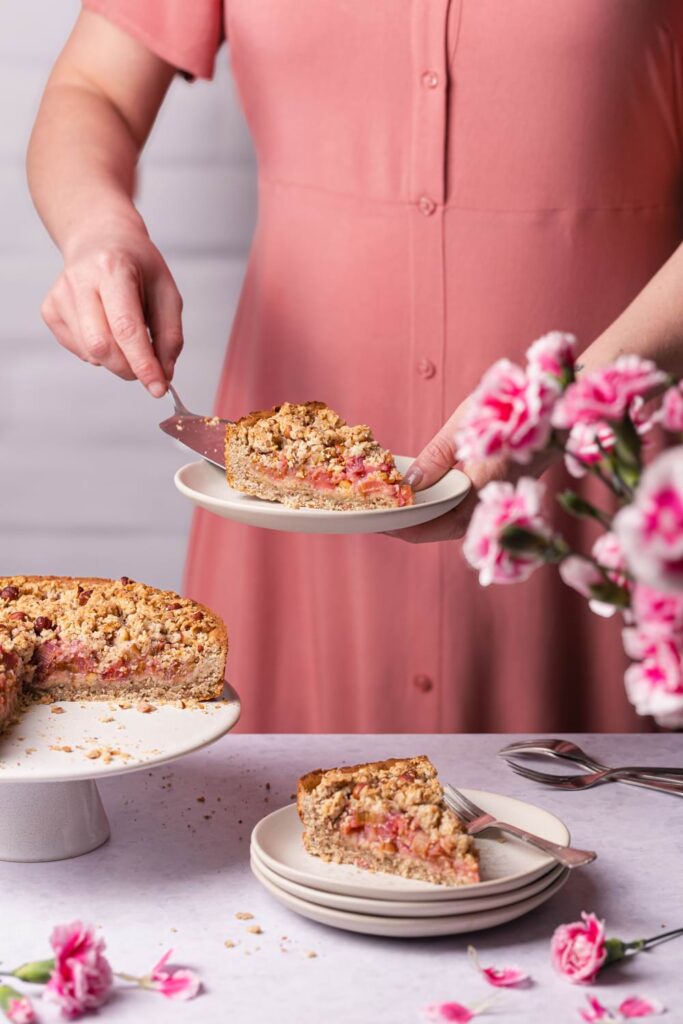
(439, 183)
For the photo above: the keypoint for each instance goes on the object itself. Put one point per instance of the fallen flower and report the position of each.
(578, 950)
(179, 984)
(499, 977)
(17, 1008)
(81, 978)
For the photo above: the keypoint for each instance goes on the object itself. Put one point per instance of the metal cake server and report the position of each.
(203, 434)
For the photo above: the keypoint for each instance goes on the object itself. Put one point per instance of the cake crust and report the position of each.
(386, 816)
(306, 456)
(90, 638)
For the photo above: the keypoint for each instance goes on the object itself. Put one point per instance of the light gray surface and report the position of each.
(169, 877)
(91, 476)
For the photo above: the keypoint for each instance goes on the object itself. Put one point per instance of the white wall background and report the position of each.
(86, 477)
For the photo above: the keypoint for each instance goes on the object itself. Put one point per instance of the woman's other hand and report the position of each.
(116, 305)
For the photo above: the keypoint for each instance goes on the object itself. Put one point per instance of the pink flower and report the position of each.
(636, 1006)
(179, 984)
(20, 1011)
(503, 505)
(509, 413)
(82, 977)
(671, 410)
(578, 950)
(597, 1011)
(606, 394)
(657, 615)
(655, 685)
(552, 357)
(650, 529)
(586, 445)
(454, 1012)
(499, 977)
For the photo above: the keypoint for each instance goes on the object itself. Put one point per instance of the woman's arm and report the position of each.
(115, 290)
(651, 327)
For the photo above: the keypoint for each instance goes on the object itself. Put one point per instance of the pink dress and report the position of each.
(440, 182)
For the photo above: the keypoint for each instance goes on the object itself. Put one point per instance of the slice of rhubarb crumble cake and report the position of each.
(306, 456)
(74, 639)
(386, 816)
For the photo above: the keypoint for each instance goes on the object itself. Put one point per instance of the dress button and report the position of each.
(430, 79)
(426, 205)
(423, 683)
(426, 368)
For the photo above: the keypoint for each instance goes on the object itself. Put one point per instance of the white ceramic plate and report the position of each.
(403, 908)
(410, 927)
(207, 487)
(504, 866)
(32, 750)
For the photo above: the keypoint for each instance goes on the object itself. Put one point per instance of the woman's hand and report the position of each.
(435, 460)
(116, 305)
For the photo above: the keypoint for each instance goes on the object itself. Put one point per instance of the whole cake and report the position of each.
(386, 816)
(306, 456)
(68, 639)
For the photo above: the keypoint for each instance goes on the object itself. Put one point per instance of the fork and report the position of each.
(476, 820)
(646, 778)
(587, 781)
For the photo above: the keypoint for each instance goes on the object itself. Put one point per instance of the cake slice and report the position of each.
(74, 639)
(386, 816)
(306, 456)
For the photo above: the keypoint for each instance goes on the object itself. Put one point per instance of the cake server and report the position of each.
(203, 434)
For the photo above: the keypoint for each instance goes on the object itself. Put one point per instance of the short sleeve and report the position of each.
(184, 33)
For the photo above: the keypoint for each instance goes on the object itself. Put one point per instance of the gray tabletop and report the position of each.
(176, 872)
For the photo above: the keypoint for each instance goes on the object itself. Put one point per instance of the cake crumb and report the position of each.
(94, 753)
(255, 929)
(56, 710)
(244, 915)
(125, 706)
(107, 718)
(30, 750)
(66, 749)
(145, 708)
(201, 799)
(311, 954)
(229, 944)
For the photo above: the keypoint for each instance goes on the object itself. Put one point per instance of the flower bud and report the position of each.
(38, 971)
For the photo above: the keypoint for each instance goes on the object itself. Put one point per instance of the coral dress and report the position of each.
(440, 182)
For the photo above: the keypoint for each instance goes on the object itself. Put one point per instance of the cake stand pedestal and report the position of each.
(51, 760)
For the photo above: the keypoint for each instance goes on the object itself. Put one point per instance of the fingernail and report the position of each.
(157, 389)
(413, 476)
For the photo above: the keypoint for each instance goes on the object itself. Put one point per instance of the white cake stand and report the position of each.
(50, 762)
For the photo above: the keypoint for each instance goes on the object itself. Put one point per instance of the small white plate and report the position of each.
(33, 749)
(410, 927)
(207, 487)
(403, 908)
(504, 866)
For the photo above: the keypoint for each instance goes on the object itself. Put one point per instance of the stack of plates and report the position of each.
(516, 878)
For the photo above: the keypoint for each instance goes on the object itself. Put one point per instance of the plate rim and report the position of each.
(505, 884)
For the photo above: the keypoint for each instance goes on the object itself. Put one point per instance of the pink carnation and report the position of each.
(509, 413)
(671, 411)
(551, 358)
(82, 977)
(606, 394)
(586, 445)
(583, 575)
(650, 529)
(655, 685)
(578, 950)
(20, 1011)
(503, 504)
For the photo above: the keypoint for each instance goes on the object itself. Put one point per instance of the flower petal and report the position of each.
(636, 1006)
(499, 977)
(450, 1012)
(597, 1011)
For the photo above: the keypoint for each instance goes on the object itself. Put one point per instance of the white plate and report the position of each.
(504, 866)
(207, 487)
(410, 927)
(30, 751)
(403, 908)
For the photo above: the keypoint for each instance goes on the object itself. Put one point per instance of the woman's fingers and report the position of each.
(96, 338)
(164, 313)
(123, 306)
(452, 526)
(435, 459)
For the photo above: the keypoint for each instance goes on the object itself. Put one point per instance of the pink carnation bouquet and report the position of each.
(598, 421)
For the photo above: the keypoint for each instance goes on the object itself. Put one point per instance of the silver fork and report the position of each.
(587, 781)
(476, 820)
(566, 750)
